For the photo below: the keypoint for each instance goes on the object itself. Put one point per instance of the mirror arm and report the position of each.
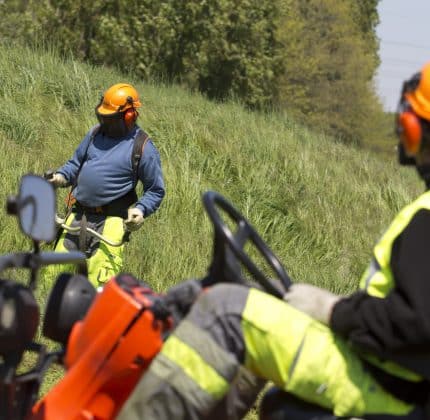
(34, 265)
(83, 268)
(72, 257)
(16, 260)
(35, 261)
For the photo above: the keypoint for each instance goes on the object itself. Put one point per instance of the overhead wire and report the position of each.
(392, 70)
(405, 44)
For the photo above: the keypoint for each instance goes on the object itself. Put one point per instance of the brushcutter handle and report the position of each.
(62, 223)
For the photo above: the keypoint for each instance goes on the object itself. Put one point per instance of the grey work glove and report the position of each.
(58, 180)
(181, 297)
(134, 220)
(316, 302)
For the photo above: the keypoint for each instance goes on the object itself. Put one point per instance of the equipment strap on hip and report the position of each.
(83, 233)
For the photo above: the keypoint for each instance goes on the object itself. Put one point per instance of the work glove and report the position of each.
(316, 302)
(134, 220)
(181, 297)
(58, 180)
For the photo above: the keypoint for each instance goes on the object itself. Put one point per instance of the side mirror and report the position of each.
(35, 207)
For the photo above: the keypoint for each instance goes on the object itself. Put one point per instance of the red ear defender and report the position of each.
(410, 131)
(130, 117)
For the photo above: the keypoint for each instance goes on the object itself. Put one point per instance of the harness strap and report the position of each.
(83, 233)
(138, 147)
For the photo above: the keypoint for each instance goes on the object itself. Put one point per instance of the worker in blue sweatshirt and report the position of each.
(103, 173)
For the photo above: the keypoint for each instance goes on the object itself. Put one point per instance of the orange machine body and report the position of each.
(107, 352)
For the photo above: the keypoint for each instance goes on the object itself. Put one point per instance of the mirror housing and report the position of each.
(35, 207)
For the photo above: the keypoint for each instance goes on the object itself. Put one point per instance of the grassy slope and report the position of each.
(319, 204)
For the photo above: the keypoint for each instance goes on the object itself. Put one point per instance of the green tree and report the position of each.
(365, 14)
(327, 68)
(223, 48)
(220, 47)
(314, 59)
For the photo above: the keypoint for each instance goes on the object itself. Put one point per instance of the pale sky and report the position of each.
(404, 33)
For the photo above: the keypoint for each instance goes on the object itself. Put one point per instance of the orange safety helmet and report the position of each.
(117, 110)
(118, 98)
(414, 107)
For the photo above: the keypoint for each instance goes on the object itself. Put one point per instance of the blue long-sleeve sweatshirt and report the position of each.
(107, 172)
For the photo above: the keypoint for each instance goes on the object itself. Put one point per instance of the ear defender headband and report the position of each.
(409, 126)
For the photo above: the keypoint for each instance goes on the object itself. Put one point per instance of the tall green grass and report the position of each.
(319, 204)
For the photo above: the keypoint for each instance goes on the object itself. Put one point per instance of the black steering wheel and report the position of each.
(229, 249)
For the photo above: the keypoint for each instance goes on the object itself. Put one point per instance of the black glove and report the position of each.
(181, 297)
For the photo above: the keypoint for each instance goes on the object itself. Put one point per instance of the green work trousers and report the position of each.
(104, 261)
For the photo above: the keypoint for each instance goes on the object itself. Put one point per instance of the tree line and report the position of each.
(312, 59)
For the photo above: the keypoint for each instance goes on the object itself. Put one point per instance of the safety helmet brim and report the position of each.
(103, 110)
(419, 104)
(108, 109)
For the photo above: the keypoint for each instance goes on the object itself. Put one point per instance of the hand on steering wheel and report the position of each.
(229, 249)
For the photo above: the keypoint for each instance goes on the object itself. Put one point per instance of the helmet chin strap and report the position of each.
(403, 158)
(423, 164)
(424, 173)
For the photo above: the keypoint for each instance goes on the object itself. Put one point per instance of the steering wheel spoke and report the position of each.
(242, 233)
(229, 248)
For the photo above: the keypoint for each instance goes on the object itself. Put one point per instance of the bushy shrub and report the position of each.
(314, 59)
